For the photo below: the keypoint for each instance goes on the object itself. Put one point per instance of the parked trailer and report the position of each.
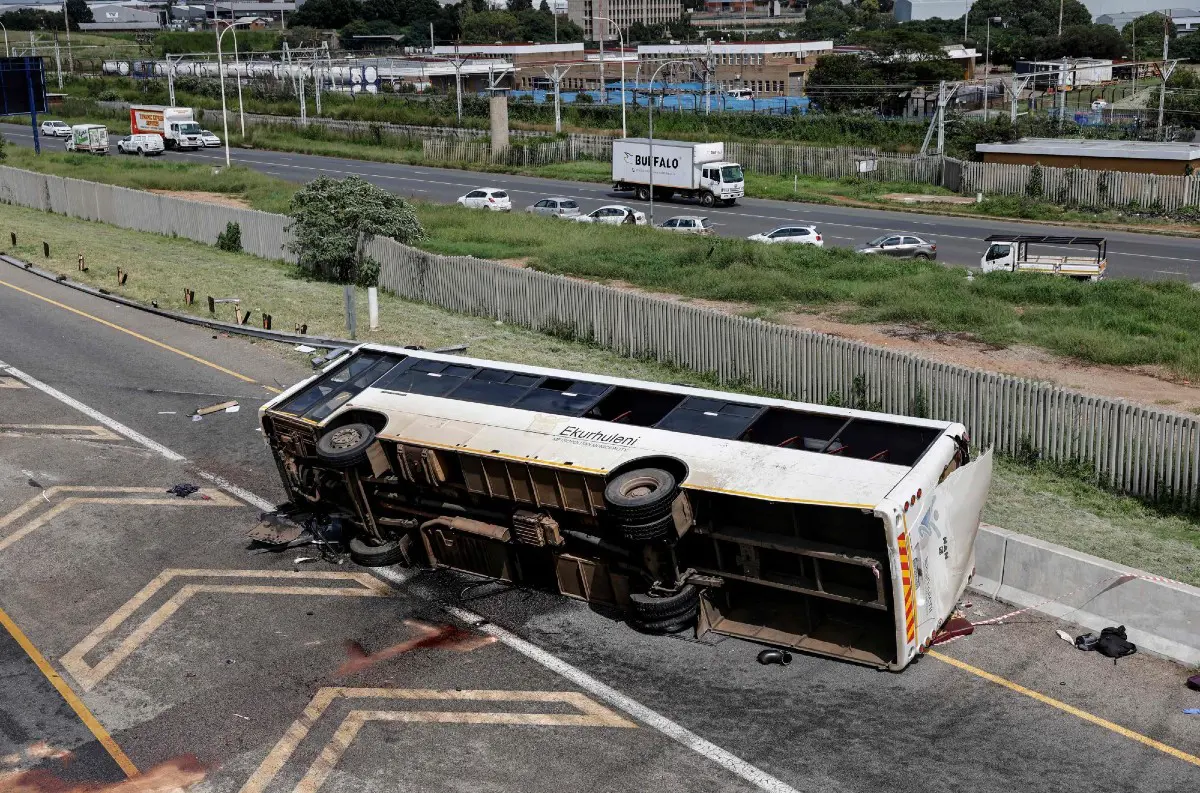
(175, 125)
(1010, 253)
(840, 532)
(691, 170)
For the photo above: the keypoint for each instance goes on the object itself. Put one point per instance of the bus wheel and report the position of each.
(367, 555)
(346, 446)
(648, 532)
(641, 497)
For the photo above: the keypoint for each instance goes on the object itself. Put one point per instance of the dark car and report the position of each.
(901, 246)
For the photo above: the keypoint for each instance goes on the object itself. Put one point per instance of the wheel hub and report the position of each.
(345, 438)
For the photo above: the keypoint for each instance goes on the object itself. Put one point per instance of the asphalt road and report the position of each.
(217, 677)
(959, 240)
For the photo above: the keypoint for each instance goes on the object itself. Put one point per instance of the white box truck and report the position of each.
(89, 138)
(692, 170)
(176, 125)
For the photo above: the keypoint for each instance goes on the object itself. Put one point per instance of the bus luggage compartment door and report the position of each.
(470, 546)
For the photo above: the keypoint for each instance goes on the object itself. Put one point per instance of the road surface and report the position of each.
(959, 240)
(192, 655)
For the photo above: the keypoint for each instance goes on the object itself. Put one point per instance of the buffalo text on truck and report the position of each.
(175, 125)
(834, 531)
(666, 168)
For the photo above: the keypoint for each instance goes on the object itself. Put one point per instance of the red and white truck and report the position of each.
(176, 125)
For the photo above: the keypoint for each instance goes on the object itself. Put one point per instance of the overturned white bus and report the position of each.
(839, 532)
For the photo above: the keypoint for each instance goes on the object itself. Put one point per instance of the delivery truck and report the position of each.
(691, 170)
(89, 138)
(176, 125)
(1012, 253)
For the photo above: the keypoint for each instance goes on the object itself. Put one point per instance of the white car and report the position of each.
(614, 214)
(56, 129)
(689, 224)
(802, 235)
(209, 139)
(491, 198)
(141, 145)
(1099, 104)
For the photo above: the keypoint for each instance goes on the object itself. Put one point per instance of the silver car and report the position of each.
(689, 224)
(555, 208)
(900, 246)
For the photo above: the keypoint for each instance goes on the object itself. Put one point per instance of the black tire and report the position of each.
(629, 220)
(640, 496)
(921, 256)
(345, 446)
(671, 624)
(141, 152)
(642, 193)
(707, 200)
(648, 532)
(648, 608)
(367, 555)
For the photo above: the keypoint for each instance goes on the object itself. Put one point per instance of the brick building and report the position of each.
(768, 68)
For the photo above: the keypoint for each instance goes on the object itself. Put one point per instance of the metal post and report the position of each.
(351, 313)
(170, 81)
(966, 16)
(941, 118)
(37, 141)
(303, 106)
(67, 25)
(58, 61)
(987, 68)
(7, 51)
(373, 306)
(1060, 15)
(238, 69)
(1165, 71)
(1062, 93)
(603, 93)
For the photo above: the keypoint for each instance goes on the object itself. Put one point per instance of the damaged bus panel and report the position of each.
(839, 532)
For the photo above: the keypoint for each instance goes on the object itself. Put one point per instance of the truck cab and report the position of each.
(1013, 253)
(186, 134)
(724, 180)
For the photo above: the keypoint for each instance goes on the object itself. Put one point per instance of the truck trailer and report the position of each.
(175, 125)
(666, 168)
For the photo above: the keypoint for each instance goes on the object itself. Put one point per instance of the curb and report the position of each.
(1162, 616)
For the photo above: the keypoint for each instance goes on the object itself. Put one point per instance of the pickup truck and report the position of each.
(1011, 253)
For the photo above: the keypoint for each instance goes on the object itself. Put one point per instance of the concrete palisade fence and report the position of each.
(1139, 450)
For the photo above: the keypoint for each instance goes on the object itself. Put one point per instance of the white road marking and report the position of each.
(136, 437)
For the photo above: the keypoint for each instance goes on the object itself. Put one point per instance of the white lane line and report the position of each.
(751, 773)
(1170, 272)
(135, 436)
(672, 730)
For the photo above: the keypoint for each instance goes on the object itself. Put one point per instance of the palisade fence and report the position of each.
(1139, 450)
(1084, 187)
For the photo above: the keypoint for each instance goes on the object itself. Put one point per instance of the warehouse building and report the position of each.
(1174, 159)
(768, 68)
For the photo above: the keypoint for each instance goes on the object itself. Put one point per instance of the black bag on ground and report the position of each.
(1114, 643)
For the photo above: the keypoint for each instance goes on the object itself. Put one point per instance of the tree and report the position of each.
(1149, 33)
(487, 27)
(327, 14)
(516, 6)
(328, 215)
(1183, 97)
(1187, 48)
(1079, 41)
(78, 11)
(844, 82)
(825, 20)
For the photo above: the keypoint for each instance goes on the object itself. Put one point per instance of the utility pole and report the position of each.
(1165, 71)
(709, 68)
(603, 93)
(67, 25)
(941, 120)
(1062, 93)
(58, 61)
(458, 62)
(432, 43)
(1060, 15)
(557, 77)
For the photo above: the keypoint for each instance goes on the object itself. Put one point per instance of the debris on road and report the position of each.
(1193, 682)
(216, 408)
(183, 489)
(1066, 637)
(447, 637)
(955, 628)
(304, 348)
(773, 656)
(1114, 643)
(1192, 711)
(1087, 641)
(303, 559)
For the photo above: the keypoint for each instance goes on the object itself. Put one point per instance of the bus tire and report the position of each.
(648, 532)
(345, 446)
(650, 608)
(367, 555)
(671, 624)
(641, 496)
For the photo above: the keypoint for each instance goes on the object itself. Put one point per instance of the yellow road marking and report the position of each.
(81, 432)
(1074, 711)
(88, 676)
(60, 685)
(591, 714)
(139, 336)
(138, 496)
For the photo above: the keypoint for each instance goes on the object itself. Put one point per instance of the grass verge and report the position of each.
(1035, 501)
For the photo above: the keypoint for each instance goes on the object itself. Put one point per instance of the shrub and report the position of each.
(231, 238)
(328, 217)
(1035, 186)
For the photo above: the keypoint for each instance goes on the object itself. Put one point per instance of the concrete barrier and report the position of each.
(1161, 616)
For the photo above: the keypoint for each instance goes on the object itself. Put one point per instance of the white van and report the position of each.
(142, 145)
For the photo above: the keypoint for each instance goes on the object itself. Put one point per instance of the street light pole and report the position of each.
(237, 67)
(7, 51)
(621, 39)
(987, 68)
(966, 14)
(221, 74)
(650, 138)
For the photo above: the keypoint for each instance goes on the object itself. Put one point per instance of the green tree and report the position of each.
(1183, 97)
(844, 82)
(78, 11)
(328, 215)
(824, 20)
(327, 14)
(1149, 30)
(487, 27)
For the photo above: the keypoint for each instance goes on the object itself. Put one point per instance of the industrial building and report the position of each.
(1068, 73)
(917, 10)
(115, 16)
(1186, 20)
(623, 13)
(1176, 159)
(768, 68)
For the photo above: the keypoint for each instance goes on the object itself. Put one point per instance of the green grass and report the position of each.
(1036, 501)
(1121, 322)
(260, 191)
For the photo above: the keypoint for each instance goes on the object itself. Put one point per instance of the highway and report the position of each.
(959, 240)
(143, 634)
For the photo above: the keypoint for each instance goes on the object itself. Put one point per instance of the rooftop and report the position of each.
(1071, 147)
